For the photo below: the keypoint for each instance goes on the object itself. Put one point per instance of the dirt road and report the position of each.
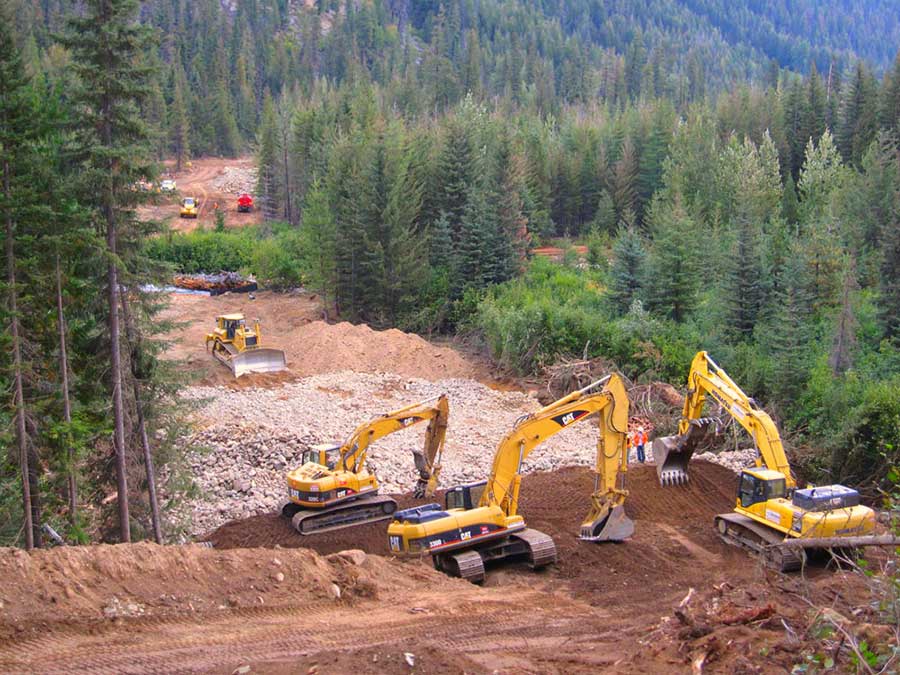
(200, 181)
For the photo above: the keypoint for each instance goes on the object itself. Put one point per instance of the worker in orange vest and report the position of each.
(640, 439)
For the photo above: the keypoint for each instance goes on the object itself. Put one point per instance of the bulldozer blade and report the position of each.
(258, 361)
(672, 454)
(615, 526)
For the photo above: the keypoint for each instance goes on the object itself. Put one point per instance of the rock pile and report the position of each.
(236, 179)
(731, 459)
(247, 439)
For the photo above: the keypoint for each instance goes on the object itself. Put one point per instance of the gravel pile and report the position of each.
(247, 439)
(236, 179)
(731, 459)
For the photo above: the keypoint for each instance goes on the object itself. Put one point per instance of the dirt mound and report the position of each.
(674, 546)
(323, 347)
(97, 582)
(290, 322)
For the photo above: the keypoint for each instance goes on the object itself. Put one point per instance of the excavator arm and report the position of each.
(606, 519)
(435, 411)
(672, 454)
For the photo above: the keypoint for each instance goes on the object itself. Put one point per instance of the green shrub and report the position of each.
(206, 252)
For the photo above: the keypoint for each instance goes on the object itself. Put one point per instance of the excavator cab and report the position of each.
(761, 485)
(326, 455)
(464, 496)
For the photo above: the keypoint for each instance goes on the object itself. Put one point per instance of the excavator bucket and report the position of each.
(613, 525)
(427, 483)
(672, 454)
(257, 361)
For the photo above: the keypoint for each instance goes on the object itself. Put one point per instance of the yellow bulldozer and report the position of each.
(238, 346)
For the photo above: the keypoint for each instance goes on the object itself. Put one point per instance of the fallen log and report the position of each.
(841, 542)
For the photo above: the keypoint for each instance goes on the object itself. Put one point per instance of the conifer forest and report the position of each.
(732, 170)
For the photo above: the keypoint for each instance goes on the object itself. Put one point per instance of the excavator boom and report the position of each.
(672, 454)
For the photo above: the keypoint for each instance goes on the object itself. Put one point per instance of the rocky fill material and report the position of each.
(246, 440)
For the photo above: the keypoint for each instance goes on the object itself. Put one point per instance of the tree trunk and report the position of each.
(18, 388)
(67, 404)
(145, 441)
(112, 280)
(841, 542)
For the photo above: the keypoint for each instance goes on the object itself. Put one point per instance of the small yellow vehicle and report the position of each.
(239, 347)
(189, 208)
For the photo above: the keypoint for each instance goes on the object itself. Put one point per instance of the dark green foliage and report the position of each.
(627, 273)
(675, 261)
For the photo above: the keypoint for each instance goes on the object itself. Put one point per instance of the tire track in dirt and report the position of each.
(479, 622)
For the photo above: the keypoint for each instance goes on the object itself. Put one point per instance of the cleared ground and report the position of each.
(202, 181)
(672, 599)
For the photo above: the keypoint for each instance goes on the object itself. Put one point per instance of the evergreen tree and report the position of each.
(472, 263)
(440, 243)
(628, 260)
(674, 263)
(815, 108)
(179, 122)
(455, 173)
(625, 180)
(788, 336)
(890, 99)
(17, 133)
(858, 120)
(111, 147)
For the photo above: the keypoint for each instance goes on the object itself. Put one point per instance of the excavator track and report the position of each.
(540, 547)
(368, 509)
(468, 565)
(738, 530)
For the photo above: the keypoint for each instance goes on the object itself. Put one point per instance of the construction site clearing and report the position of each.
(252, 595)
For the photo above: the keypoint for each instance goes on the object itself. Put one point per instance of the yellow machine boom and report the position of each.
(769, 507)
(481, 521)
(334, 488)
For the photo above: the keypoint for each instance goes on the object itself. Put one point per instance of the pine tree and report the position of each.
(440, 243)
(625, 180)
(111, 146)
(857, 122)
(472, 255)
(843, 341)
(17, 132)
(179, 122)
(788, 336)
(745, 280)
(890, 99)
(268, 159)
(455, 172)
(673, 265)
(318, 227)
(628, 261)
(814, 111)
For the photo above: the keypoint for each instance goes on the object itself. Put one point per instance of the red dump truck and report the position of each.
(245, 203)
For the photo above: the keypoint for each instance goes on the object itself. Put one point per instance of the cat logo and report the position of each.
(409, 421)
(568, 418)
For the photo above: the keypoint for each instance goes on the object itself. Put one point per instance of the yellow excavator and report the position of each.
(481, 523)
(334, 488)
(770, 509)
(239, 347)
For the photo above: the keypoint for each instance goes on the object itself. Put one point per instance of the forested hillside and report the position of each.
(217, 61)
(733, 169)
